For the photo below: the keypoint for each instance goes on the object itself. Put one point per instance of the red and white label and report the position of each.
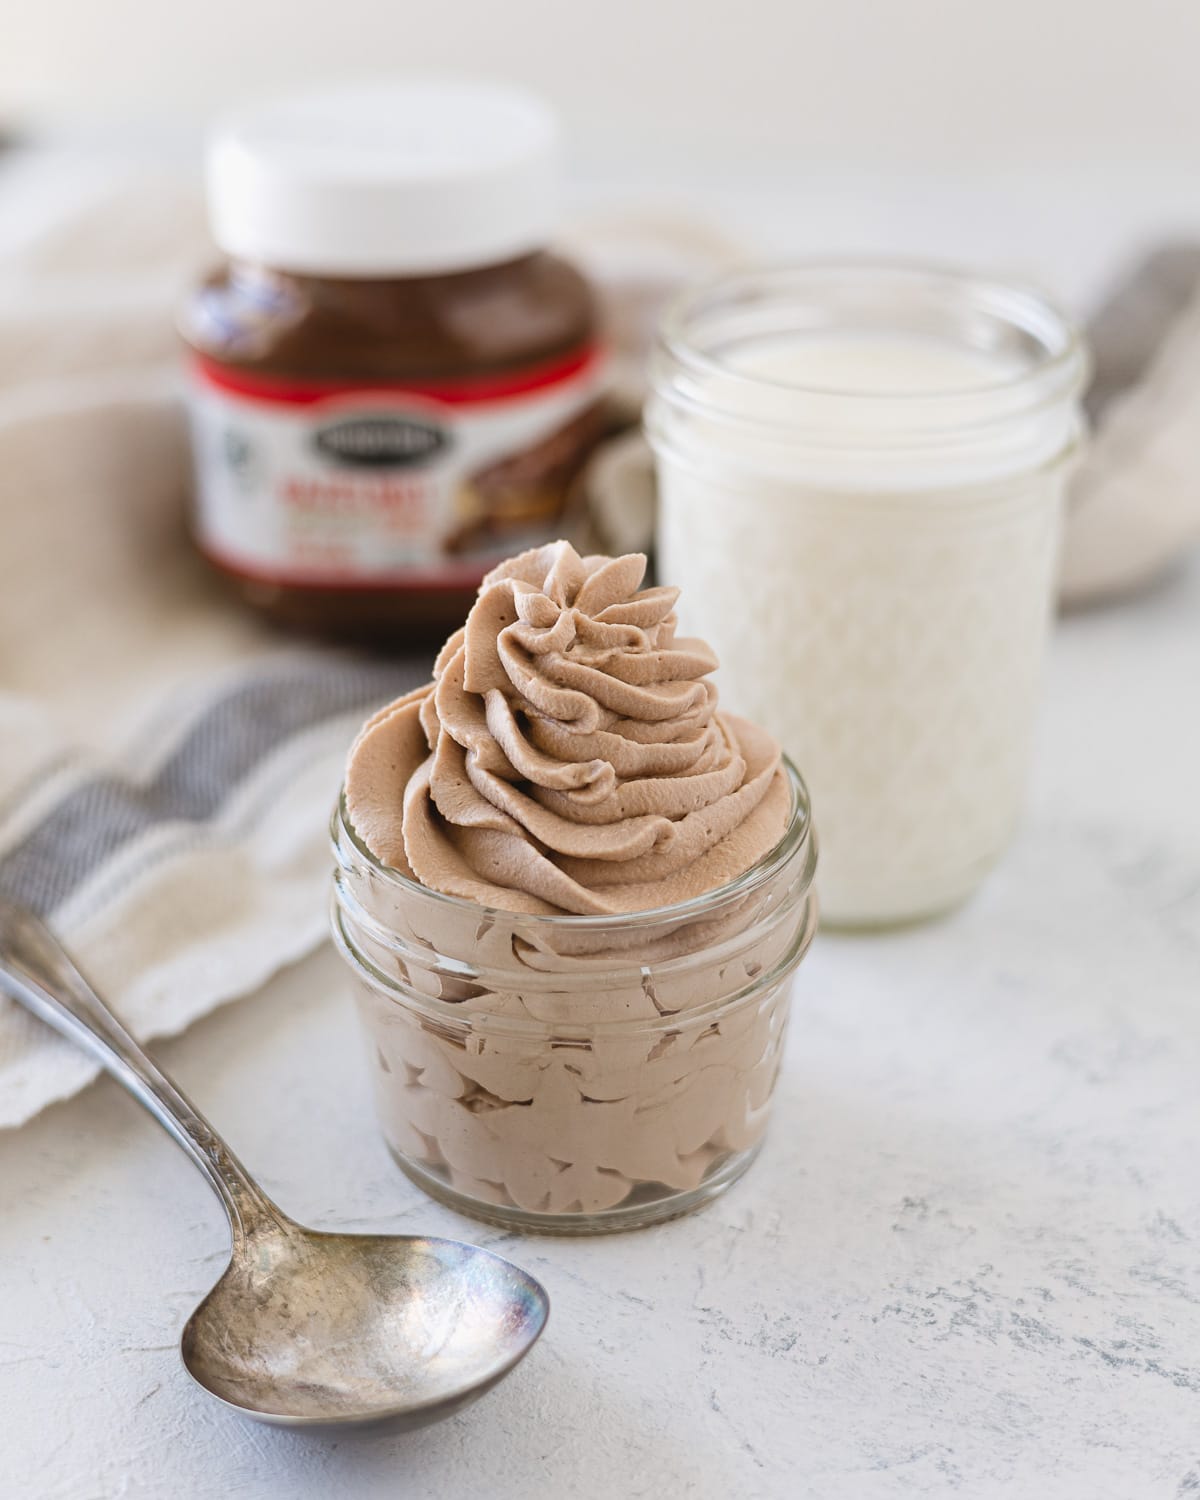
(377, 486)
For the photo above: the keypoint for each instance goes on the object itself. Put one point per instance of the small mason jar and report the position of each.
(861, 473)
(575, 1074)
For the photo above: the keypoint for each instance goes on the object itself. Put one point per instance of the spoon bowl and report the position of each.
(350, 1328)
(304, 1328)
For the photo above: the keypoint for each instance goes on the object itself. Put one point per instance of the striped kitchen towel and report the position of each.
(167, 767)
(184, 874)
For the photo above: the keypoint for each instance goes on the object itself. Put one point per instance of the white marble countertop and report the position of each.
(967, 1262)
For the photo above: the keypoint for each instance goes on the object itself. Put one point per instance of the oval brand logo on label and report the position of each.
(379, 442)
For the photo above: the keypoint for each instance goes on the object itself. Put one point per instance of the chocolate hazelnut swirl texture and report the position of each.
(569, 755)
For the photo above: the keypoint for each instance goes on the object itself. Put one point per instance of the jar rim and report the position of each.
(799, 836)
(685, 374)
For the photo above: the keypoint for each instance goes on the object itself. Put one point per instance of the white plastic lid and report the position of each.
(396, 179)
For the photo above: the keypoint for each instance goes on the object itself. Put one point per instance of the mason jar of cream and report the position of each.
(861, 472)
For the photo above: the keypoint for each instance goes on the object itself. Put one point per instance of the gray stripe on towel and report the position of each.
(94, 820)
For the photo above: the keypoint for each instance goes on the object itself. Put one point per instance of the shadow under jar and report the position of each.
(575, 1074)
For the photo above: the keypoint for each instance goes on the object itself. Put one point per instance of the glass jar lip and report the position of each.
(1058, 376)
(798, 836)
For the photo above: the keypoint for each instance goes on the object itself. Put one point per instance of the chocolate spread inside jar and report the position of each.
(393, 384)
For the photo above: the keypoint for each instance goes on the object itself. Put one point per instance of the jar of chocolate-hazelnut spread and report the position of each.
(393, 383)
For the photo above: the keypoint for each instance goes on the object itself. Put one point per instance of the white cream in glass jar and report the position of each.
(861, 471)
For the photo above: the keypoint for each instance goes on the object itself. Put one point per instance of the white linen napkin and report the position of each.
(1135, 501)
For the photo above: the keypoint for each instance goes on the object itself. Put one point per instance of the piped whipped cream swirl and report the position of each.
(569, 755)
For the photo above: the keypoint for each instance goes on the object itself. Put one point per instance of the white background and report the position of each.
(957, 86)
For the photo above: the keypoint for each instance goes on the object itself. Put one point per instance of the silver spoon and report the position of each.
(303, 1328)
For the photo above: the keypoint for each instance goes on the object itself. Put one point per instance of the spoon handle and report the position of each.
(37, 972)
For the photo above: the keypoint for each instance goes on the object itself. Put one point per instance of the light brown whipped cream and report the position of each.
(564, 1129)
(569, 758)
(569, 755)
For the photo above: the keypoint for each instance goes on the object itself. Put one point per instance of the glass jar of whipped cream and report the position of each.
(575, 1074)
(861, 473)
